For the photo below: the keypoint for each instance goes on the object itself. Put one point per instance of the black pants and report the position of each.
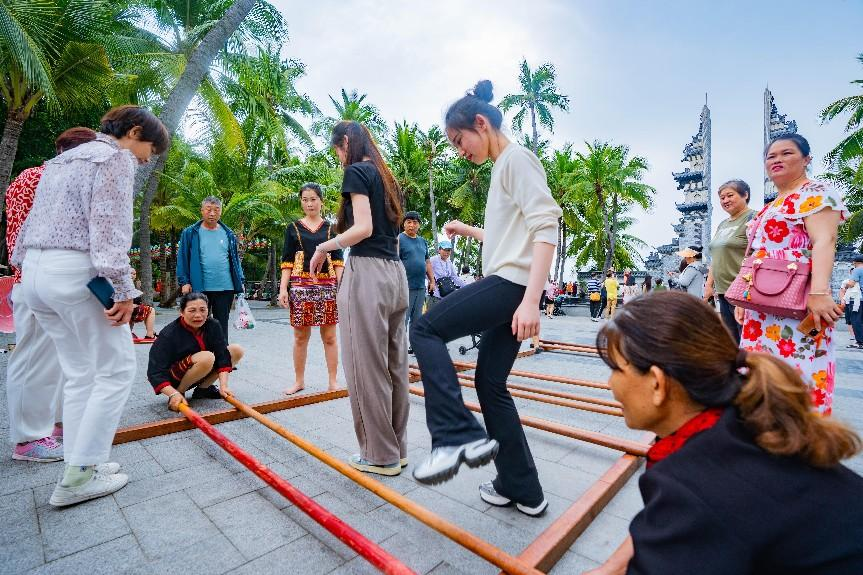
(726, 310)
(857, 323)
(595, 308)
(220, 305)
(485, 306)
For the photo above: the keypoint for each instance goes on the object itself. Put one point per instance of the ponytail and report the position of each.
(776, 408)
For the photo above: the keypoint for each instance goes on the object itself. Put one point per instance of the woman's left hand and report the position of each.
(317, 262)
(525, 320)
(824, 310)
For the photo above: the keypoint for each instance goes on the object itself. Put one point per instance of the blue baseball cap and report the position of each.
(445, 245)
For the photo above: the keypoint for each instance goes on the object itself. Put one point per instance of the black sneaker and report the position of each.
(209, 392)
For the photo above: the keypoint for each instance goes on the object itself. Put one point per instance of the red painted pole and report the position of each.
(370, 551)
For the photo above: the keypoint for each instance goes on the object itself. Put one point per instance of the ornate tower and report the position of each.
(775, 124)
(693, 228)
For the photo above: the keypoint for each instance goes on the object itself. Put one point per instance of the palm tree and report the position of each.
(539, 96)
(208, 31)
(469, 185)
(434, 145)
(51, 51)
(852, 146)
(608, 177)
(559, 169)
(351, 106)
(588, 245)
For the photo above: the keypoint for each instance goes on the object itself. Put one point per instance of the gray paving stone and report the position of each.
(19, 517)
(627, 503)
(224, 488)
(163, 522)
(21, 556)
(572, 564)
(69, 530)
(151, 487)
(178, 454)
(602, 537)
(254, 525)
(34, 476)
(445, 568)
(111, 557)
(306, 555)
(131, 452)
(211, 556)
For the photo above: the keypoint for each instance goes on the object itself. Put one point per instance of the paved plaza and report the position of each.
(191, 508)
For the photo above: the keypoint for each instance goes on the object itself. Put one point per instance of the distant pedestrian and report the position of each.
(373, 298)
(691, 278)
(311, 299)
(446, 276)
(611, 287)
(80, 228)
(659, 285)
(208, 261)
(414, 254)
(34, 378)
(647, 285)
(466, 277)
(850, 295)
(594, 296)
(629, 288)
(550, 294)
(520, 234)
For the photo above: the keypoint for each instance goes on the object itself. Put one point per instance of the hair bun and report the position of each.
(483, 90)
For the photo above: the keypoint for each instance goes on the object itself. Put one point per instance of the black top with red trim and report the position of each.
(177, 341)
(717, 504)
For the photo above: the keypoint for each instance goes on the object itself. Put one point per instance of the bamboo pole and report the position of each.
(370, 551)
(568, 344)
(553, 393)
(541, 376)
(464, 538)
(625, 445)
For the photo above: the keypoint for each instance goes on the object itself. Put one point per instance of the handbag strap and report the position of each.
(755, 226)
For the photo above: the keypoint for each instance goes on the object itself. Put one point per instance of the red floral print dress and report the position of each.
(779, 231)
(19, 201)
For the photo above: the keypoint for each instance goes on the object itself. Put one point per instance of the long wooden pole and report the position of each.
(625, 445)
(541, 376)
(464, 538)
(568, 344)
(369, 550)
(553, 393)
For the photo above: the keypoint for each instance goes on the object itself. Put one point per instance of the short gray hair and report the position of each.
(211, 200)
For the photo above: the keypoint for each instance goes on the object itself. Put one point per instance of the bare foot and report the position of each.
(332, 386)
(298, 387)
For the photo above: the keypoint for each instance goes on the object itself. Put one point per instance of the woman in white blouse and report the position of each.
(80, 227)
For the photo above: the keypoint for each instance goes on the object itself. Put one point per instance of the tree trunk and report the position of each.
(8, 150)
(267, 269)
(535, 133)
(605, 228)
(562, 250)
(196, 68)
(144, 233)
(274, 292)
(557, 251)
(433, 214)
(612, 234)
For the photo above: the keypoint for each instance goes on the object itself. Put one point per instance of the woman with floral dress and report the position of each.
(801, 226)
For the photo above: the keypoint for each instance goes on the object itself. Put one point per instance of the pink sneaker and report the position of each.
(43, 450)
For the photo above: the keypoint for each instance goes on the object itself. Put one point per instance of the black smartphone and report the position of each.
(103, 290)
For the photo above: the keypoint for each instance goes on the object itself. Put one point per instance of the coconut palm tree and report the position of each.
(851, 146)
(352, 106)
(559, 169)
(51, 51)
(588, 245)
(538, 98)
(468, 185)
(608, 177)
(434, 145)
(202, 31)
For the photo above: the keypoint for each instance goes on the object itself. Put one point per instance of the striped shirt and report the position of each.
(593, 286)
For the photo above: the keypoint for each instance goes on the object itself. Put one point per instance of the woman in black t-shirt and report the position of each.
(372, 300)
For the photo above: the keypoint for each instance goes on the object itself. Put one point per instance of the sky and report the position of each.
(636, 71)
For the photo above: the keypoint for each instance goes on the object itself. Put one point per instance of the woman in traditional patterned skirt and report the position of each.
(311, 300)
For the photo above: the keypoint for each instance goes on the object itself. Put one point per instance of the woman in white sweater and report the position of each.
(519, 237)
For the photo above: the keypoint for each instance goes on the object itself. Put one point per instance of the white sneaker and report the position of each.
(443, 462)
(488, 494)
(99, 485)
(109, 468)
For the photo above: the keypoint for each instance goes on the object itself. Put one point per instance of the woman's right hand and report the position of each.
(456, 228)
(738, 314)
(824, 310)
(175, 401)
(284, 299)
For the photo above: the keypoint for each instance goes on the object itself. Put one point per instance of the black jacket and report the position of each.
(721, 505)
(176, 341)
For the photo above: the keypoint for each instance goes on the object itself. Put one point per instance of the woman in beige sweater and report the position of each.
(519, 237)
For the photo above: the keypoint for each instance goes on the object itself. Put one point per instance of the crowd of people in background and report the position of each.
(739, 398)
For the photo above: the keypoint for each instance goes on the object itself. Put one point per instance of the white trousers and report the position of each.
(97, 359)
(34, 380)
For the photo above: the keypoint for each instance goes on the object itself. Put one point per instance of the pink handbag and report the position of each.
(770, 285)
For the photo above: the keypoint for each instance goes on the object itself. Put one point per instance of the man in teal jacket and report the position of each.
(207, 261)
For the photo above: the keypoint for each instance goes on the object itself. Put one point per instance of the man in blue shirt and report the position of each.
(414, 253)
(208, 261)
(857, 316)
